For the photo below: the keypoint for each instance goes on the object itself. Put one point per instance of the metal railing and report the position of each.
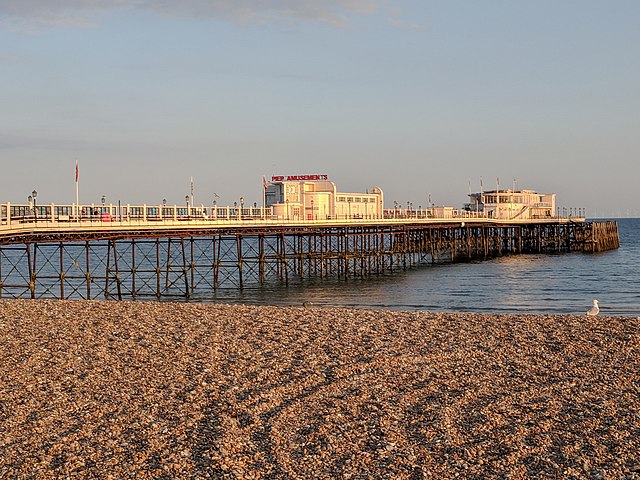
(61, 217)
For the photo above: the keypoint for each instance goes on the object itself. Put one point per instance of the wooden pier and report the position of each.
(169, 259)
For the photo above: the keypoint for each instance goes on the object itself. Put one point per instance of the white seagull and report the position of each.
(594, 310)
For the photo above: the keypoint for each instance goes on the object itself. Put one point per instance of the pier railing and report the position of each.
(22, 217)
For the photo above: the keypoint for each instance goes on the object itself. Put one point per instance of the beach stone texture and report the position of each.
(146, 390)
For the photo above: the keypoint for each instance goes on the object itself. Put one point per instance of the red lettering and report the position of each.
(298, 178)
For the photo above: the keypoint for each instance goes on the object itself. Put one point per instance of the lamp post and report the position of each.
(102, 212)
(186, 199)
(164, 204)
(287, 209)
(241, 206)
(34, 194)
(312, 213)
(349, 199)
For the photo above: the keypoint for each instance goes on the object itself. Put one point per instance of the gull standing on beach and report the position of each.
(594, 309)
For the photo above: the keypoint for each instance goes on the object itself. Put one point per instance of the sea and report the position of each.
(548, 284)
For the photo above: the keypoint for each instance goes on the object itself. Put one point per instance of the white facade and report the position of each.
(319, 200)
(513, 204)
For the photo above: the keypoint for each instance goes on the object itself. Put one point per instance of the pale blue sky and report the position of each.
(416, 97)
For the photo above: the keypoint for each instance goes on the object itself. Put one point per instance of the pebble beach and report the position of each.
(146, 390)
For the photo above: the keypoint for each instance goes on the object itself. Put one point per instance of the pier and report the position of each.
(90, 252)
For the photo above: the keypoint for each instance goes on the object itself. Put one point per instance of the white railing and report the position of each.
(21, 217)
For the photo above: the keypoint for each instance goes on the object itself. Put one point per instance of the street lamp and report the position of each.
(103, 199)
(349, 199)
(312, 213)
(241, 207)
(34, 194)
(186, 199)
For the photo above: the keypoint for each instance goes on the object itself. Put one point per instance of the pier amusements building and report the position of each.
(314, 197)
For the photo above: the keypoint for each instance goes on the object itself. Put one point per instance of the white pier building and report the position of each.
(314, 197)
(513, 204)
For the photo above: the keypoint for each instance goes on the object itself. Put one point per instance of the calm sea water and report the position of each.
(563, 284)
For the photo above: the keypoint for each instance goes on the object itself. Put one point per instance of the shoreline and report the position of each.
(151, 389)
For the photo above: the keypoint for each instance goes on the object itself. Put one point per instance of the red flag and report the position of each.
(76, 171)
(264, 182)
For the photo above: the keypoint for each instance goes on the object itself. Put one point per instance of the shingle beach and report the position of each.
(164, 390)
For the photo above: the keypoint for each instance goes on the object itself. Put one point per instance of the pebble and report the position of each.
(102, 389)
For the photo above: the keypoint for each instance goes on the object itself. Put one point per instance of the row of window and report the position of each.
(356, 199)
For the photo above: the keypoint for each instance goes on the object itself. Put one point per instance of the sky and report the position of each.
(421, 98)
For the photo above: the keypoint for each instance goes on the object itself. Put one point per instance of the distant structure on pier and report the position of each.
(314, 197)
(512, 204)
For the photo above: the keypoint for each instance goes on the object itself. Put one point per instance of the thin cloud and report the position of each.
(416, 27)
(71, 13)
(9, 57)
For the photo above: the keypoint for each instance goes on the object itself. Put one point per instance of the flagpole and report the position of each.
(264, 197)
(77, 194)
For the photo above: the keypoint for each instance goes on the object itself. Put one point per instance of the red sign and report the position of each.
(298, 178)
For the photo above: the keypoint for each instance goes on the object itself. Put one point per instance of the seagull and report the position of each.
(594, 310)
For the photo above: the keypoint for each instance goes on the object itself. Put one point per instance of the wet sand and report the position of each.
(161, 390)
